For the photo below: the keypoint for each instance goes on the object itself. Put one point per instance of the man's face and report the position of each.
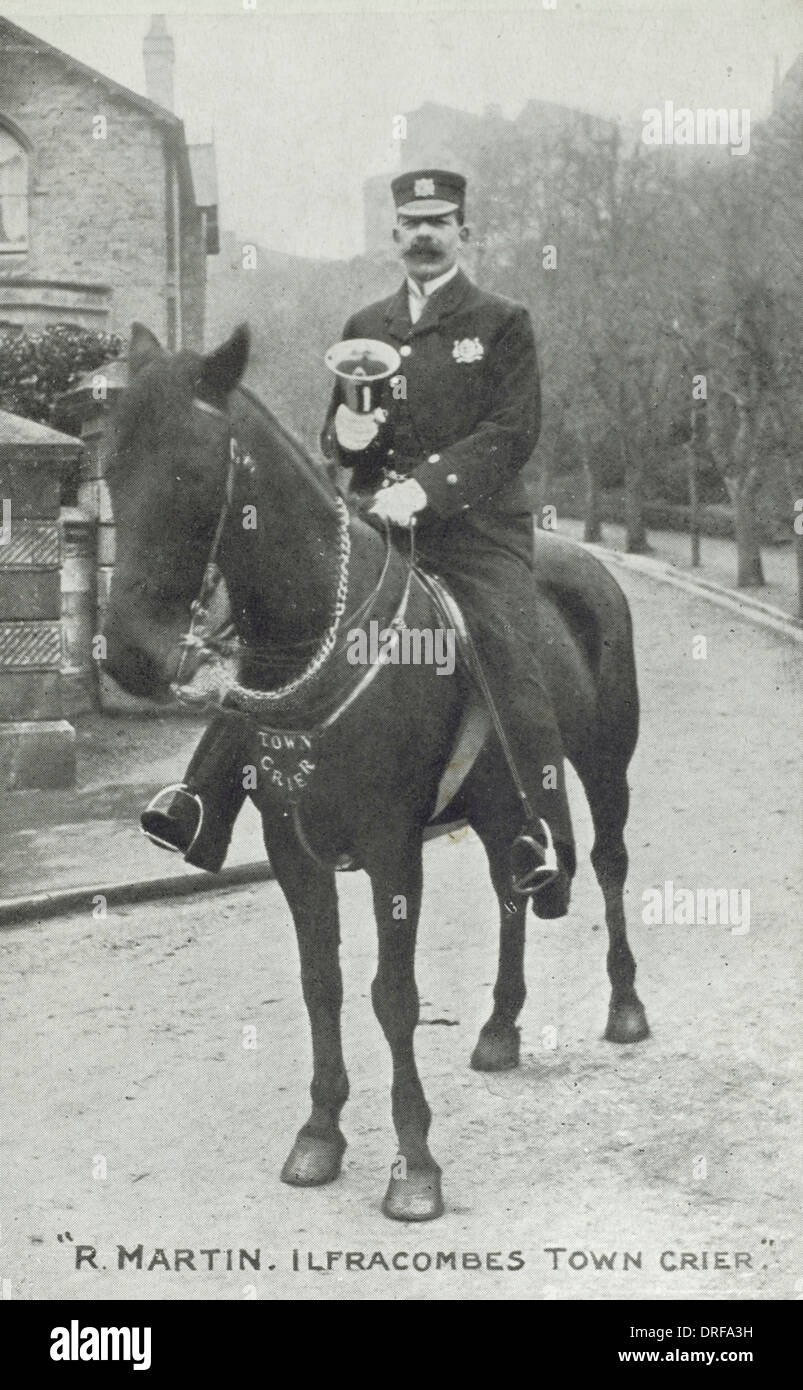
(429, 245)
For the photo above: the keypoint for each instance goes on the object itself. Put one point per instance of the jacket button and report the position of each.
(390, 453)
(434, 458)
(465, 507)
(451, 478)
(405, 350)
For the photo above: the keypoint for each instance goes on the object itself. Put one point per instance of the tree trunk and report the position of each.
(694, 503)
(749, 573)
(592, 526)
(636, 535)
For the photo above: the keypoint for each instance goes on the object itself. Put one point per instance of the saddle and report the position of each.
(475, 724)
(287, 757)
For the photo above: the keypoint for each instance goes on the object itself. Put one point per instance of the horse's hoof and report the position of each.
(554, 899)
(313, 1160)
(496, 1050)
(627, 1024)
(416, 1197)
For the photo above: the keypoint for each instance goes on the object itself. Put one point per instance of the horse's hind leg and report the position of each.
(609, 799)
(497, 1047)
(316, 1155)
(414, 1192)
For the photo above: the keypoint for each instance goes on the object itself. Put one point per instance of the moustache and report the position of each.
(423, 248)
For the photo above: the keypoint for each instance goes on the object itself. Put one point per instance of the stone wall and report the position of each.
(37, 746)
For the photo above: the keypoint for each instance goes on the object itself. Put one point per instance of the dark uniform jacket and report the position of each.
(470, 420)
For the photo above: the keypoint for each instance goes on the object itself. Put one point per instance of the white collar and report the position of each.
(430, 286)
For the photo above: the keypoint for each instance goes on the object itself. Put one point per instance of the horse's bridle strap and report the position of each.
(191, 639)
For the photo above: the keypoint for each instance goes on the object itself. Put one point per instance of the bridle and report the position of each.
(193, 640)
(263, 704)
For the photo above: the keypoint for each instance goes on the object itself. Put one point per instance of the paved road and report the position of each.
(136, 1116)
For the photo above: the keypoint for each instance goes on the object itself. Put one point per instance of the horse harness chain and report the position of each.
(260, 704)
(251, 701)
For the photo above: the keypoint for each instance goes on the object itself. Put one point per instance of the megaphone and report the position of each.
(362, 364)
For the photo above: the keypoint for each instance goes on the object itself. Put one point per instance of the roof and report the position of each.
(12, 36)
(18, 432)
(22, 37)
(441, 108)
(116, 373)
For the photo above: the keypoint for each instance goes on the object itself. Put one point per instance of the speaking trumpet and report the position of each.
(362, 364)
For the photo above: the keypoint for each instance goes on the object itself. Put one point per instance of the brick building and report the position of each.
(106, 213)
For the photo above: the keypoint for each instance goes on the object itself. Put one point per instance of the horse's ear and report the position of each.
(223, 368)
(143, 347)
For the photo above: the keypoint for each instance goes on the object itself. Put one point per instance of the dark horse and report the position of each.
(378, 767)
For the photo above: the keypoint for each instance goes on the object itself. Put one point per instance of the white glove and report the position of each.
(354, 432)
(399, 502)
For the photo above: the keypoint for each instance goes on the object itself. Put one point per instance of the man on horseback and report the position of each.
(446, 450)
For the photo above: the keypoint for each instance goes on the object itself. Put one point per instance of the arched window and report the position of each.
(13, 192)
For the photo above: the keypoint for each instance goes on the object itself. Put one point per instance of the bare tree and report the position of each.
(621, 199)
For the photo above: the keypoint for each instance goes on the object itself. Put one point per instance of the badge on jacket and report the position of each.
(468, 350)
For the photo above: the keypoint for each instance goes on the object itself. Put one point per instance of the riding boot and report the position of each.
(199, 819)
(500, 605)
(542, 856)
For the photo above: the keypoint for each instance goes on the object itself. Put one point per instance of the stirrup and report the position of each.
(542, 874)
(174, 789)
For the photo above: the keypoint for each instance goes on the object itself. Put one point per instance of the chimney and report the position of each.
(158, 55)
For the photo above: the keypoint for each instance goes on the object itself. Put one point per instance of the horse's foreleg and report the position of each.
(316, 1155)
(414, 1192)
(609, 799)
(497, 1047)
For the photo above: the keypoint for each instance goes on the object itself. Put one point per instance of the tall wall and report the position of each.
(193, 277)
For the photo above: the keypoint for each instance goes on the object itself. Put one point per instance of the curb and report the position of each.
(37, 907)
(745, 605)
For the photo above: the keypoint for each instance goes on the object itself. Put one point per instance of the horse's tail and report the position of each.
(598, 614)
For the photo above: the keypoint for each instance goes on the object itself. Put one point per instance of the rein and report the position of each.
(261, 704)
(192, 639)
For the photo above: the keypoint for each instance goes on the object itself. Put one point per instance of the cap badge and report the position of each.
(424, 188)
(468, 350)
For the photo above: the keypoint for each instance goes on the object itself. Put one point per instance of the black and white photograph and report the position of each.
(401, 632)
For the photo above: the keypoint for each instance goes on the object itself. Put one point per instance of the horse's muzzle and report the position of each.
(137, 670)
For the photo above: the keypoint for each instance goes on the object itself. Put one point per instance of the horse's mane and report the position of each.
(313, 473)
